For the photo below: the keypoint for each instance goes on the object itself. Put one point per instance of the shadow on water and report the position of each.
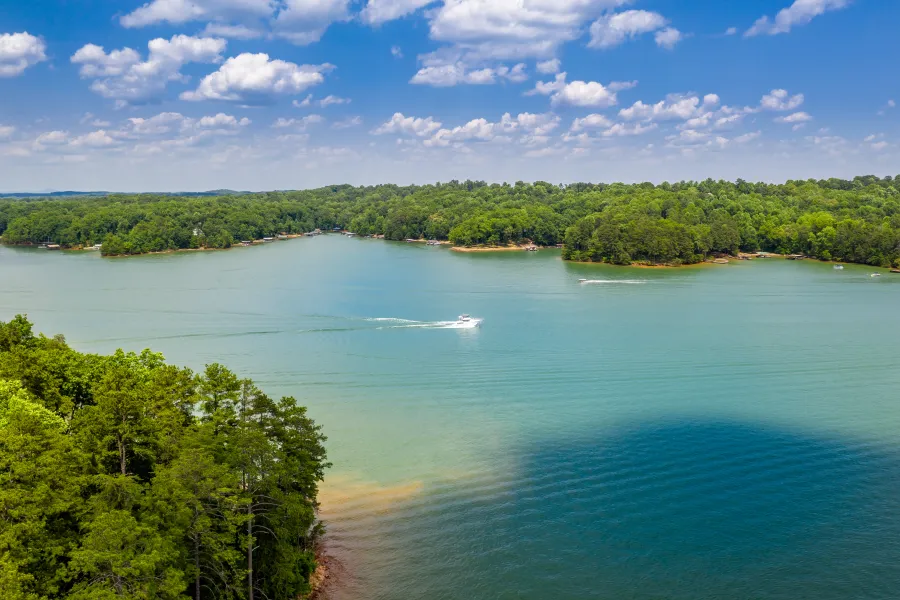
(681, 510)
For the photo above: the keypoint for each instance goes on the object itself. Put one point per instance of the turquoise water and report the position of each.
(709, 432)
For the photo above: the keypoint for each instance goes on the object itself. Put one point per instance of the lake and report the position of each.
(721, 432)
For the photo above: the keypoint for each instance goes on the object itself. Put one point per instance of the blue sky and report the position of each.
(164, 95)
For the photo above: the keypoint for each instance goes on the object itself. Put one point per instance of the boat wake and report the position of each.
(408, 324)
(612, 281)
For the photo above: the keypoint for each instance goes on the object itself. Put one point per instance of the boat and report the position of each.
(467, 322)
(875, 275)
(838, 267)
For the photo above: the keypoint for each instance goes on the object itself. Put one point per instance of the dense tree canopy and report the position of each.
(122, 477)
(852, 220)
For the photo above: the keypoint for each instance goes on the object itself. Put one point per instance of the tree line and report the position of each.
(123, 477)
(854, 220)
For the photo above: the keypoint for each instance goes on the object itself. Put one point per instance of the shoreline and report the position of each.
(291, 236)
(467, 249)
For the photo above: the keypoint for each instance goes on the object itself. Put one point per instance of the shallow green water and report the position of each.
(710, 432)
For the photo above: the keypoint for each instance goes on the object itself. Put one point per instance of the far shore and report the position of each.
(496, 248)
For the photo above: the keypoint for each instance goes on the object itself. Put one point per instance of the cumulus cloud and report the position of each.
(303, 22)
(780, 100)
(447, 75)
(300, 124)
(549, 67)
(123, 76)
(797, 117)
(6, 131)
(402, 124)
(381, 11)
(747, 137)
(614, 29)
(18, 51)
(673, 107)
(329, 100)
(668, 38)
(396, 52)
(593, 121)
(532, 127)
(585, 94)
(257, 79)
(235, 32)
(298, 21)
(173, 122)
(622, 129)
(347, 123)
(800, 12)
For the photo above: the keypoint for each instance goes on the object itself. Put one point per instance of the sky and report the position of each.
(191, 95)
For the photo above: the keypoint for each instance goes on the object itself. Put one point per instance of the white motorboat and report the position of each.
(467, 322)
(875, 275)
(838, 267)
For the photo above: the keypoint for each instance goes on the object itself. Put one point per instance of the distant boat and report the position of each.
(838, 267)
(467, 322)
(875, 275)
(582, 280)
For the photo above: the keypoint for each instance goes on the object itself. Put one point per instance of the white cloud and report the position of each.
(396, 52)
(18, 51)
(891, 104)
(549, 67)
(668, 38)
(173, 122)
(52, 138)
(348, 123)
(800, 12)
(381, 11)
(447, 75)
(157, 124)
(674, 107)
(614, 29)
(6, 131)
(177, 12)
(480, 31)
(879, 145)
(621, 129)
(533, 127)
(731, 31)
(797, 117)
(747, 137)
(621, 86)
(585, 93)
(780, 100)
(256, 79)
(95, 139)
(301, 124)
(237, 32)
(594, 121)
(220, 121)
(121, 75)
(545, 88)
(298, 21)
(303, 22)
(305, 103)
(408, 125)
(725, 121)
(329, 100)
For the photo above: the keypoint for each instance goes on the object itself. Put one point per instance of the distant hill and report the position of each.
(75, 194)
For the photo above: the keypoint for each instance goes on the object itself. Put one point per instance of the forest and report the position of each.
(854, 220)
(123, 477)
